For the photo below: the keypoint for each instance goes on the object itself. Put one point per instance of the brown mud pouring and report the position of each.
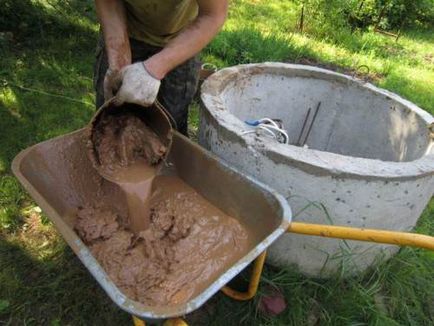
(172, 241)
(129, 154)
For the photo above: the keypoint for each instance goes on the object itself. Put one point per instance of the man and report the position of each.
(149, 49)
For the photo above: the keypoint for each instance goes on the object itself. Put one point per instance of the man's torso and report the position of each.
(156, 22)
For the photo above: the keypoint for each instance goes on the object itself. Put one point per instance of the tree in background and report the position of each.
(414, 13)
(328, 15)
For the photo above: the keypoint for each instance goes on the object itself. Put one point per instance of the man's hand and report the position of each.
(112, 83)
(137, 86)
(111, 14)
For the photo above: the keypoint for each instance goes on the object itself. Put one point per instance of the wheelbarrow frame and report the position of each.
(180, 143)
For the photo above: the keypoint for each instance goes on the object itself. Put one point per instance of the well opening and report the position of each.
(353, 119)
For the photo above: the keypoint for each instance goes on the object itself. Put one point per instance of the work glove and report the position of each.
(138, 86)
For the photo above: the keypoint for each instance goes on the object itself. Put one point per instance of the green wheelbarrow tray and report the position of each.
(60, 177)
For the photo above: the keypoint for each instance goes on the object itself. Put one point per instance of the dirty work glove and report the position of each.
(138, 86)
(112, 83)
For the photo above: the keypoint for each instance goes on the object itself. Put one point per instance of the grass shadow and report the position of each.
(45, 76)
(43, 283)
(33, 23)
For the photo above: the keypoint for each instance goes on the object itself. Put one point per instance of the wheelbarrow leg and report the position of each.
(253, 283)
(175, 322)
(169, 322)
(138, 322)
(240, 296)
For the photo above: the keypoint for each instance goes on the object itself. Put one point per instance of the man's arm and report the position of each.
(139, 82)
(111, 15)
(211, 17)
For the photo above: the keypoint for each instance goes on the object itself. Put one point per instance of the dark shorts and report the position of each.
(177, 88)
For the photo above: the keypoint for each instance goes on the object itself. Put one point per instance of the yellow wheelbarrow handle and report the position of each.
(328, 231)
(370, 235)
(337, 232)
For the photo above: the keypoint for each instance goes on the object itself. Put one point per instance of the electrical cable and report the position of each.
(270, 127)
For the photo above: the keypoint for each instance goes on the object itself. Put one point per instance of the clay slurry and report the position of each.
(129, 153)
(188, 244)
(136, 182)
(175, 243)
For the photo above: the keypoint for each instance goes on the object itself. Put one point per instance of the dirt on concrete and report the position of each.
(361, 72)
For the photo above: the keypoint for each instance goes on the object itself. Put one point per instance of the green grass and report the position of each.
(51, 50)
(265, 31)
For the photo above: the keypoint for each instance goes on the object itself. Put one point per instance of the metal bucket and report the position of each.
(154, 116)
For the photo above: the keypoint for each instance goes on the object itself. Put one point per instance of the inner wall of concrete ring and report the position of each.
(368, 163)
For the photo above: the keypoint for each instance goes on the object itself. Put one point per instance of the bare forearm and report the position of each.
(111, 15)
(189, 42)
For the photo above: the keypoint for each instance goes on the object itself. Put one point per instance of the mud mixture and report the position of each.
(129, 154)
(172, 242)
(123, 140)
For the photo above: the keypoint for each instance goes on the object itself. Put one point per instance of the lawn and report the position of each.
(47, 53)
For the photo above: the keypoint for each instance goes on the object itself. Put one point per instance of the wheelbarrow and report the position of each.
(61, 178)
